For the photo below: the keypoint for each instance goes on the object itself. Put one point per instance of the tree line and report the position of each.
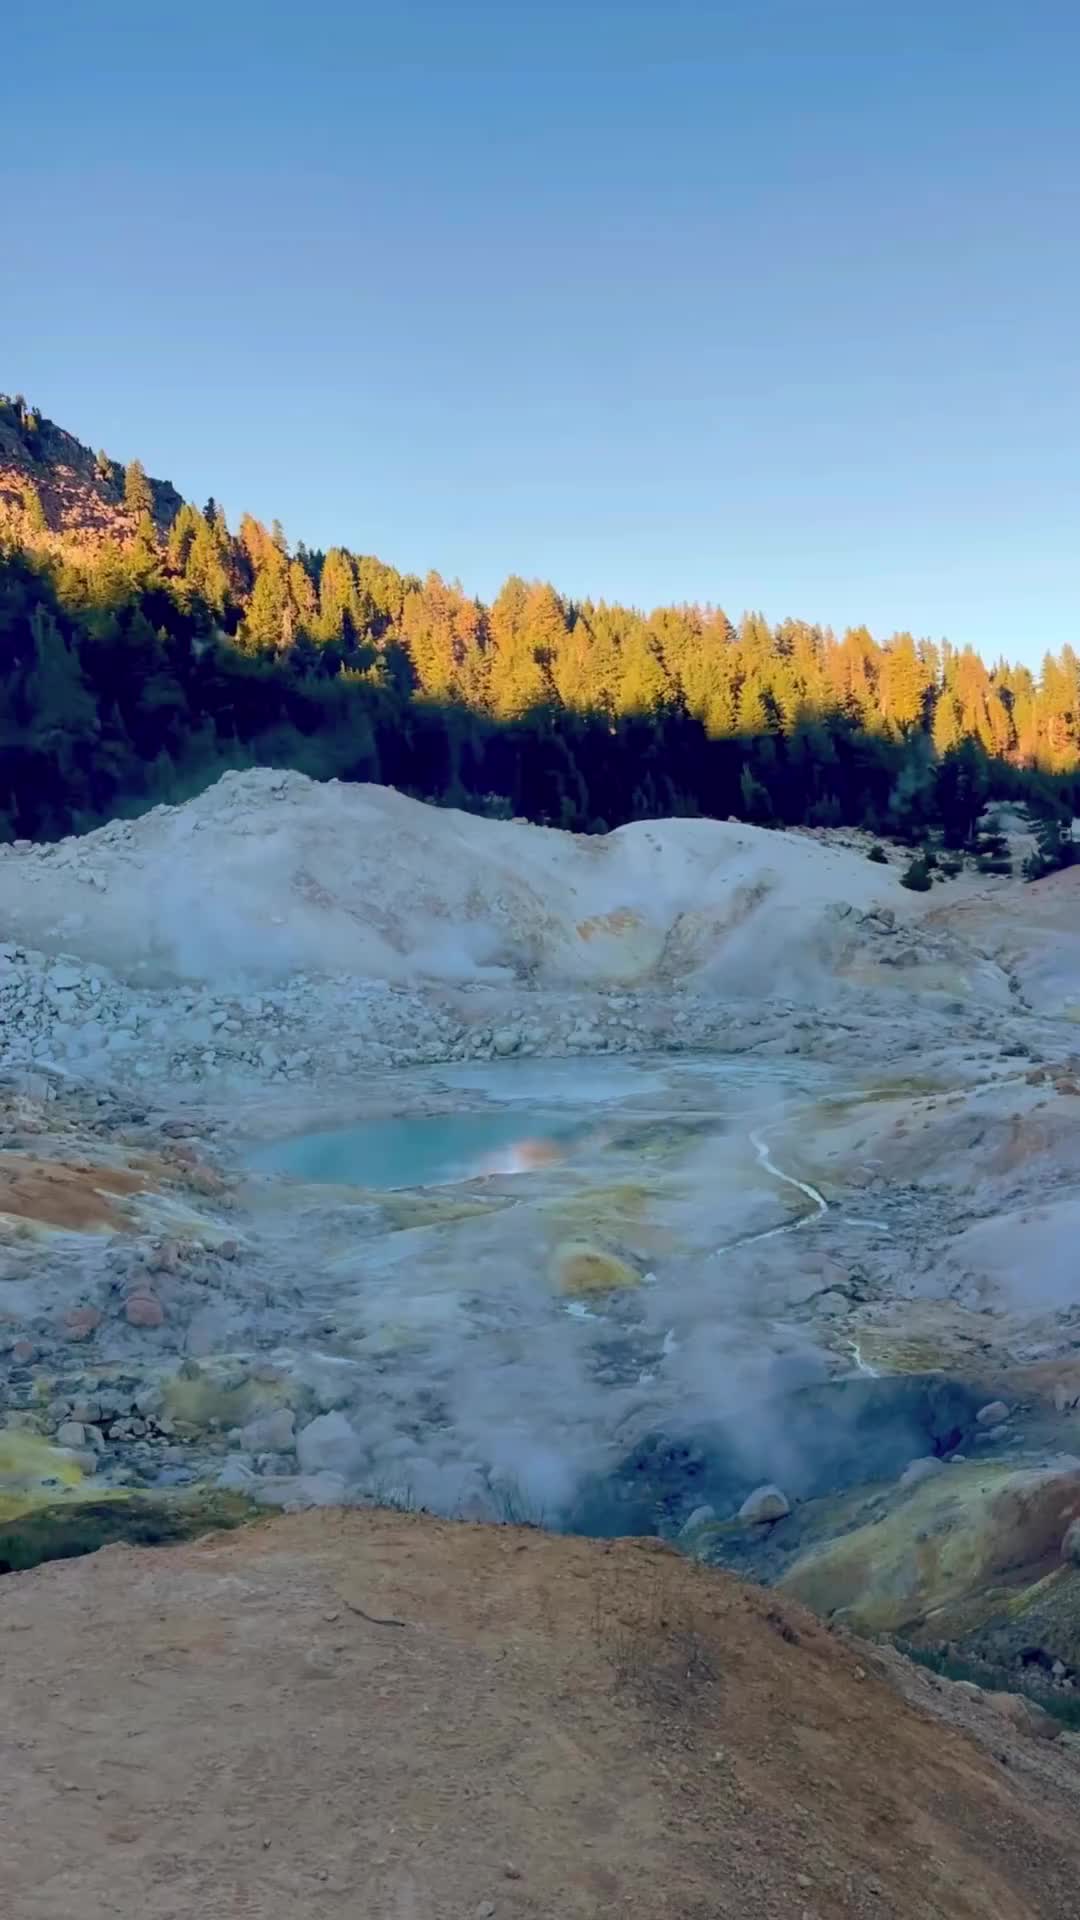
(137, 672)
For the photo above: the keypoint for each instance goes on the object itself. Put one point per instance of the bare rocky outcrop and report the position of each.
(82, 498)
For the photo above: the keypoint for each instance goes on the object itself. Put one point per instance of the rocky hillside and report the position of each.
(80, 493)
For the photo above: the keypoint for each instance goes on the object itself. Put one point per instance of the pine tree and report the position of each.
(946, 724)
(266, 625)
(644, 685)
(33, 509)
(754, 715)
(182, 534)
(302, 594)
(63, 709)
(143, 558)
(756, 804)
(902, 684)
(912, 800)
(205, 569)
(572, 670)
(338, 621)
(258, 545)
(544, 624)
(428, 630)
(518, 680)
(138, 497)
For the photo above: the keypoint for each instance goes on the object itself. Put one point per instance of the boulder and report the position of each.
(80, 1323)
(237, 1475)
(1024, 1715)
(765, 1504)
(271, 1432)
(144, 1309)
(992, 1414)
(701, 1517)
(328, 1444)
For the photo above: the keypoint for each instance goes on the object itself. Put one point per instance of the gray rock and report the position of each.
(329, 1445)
(992, 1414)
(700, 1517)
(66, 979)
(236, 1476)
(765, 1503)
(330, 1391)
(507, 1040)
(273, 1466)
(919, 1470)
(320, 1663)
(270, 1432)
(71, 1434)
(831, 1305)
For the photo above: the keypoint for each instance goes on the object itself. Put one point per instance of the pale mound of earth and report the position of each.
(271, 872)
(1038, 942)
(384, 1715)
(1021, 1260)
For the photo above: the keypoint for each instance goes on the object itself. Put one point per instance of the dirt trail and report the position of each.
(558, 1729)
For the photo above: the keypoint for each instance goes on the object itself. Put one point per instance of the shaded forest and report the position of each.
(137, 669)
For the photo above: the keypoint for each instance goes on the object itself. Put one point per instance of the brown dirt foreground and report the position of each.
(531, 1727)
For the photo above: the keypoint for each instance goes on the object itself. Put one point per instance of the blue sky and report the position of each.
(774, 303)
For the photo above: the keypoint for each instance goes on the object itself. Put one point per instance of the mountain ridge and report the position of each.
(146, 646)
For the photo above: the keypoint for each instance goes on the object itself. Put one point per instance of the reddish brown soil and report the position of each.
(527, 1726)
(77, 1196)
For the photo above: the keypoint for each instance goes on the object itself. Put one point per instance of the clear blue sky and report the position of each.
(769, 302)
